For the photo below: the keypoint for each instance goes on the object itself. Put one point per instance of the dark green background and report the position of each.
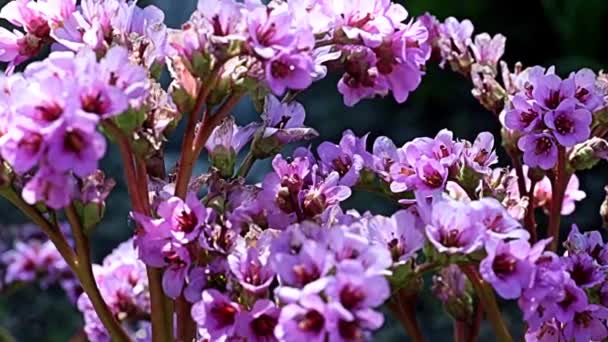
(569, 34)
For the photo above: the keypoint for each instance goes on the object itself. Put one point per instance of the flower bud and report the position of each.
(449, 285)
(604, 210)
(224, 160)
(536, 174)
(586, 155)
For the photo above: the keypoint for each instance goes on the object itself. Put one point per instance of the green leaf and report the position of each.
(130, 120)
(90, 214)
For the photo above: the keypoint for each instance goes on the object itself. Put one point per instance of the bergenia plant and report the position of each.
(216, 258)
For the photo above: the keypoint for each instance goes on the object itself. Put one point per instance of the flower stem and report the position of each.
(530, 218)
(192, 146)
(558, 188)
(246, 165)
(84, 272)
(162, 323)
(460, 331)
(52, 231)
(488, 302)
(403, 306)
(476, 324)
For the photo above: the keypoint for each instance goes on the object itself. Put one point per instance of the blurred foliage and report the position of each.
(565, 33)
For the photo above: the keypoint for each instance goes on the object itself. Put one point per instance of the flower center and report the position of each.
(312, 321)
(94, 103)
(224, 313)
(280, 69)
(504, 265)
(49, 112)
(564, 125)
(31, 143)
(187, 221)
(351, 297)
(74, 141)
(543, 145)
(350, 331)
(450, 238)
(264, 325)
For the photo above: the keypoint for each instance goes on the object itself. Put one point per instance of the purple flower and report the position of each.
(197, 281)
(548, 332)
(525, 114)
(289, 71)
(153, 236)
(507, 267)
(280, 190)
(538, 300)
(347, 243)
(400, 234)
(458, 36)
(539, 150)
(550, 91)
(50, 187)
(587, 92)
(574, 300)
(430, 176)
(185, 218)
(252, 269)
(309, 264)
(451, 229)
(370, 21)
(285, 121)
(77, 145)
(354, 290)
(216, 314)
(590, 243)
(362, 79)
(270, 30)
(223, 19)
(449, 283)
(117, 70)
(488, 50)
(323, 194)
(309, 320)
(258, 325)
(99, 98)
(23, 145)
(585, 272)
(348, 158)
(569, 125)
(481, 156)
(27, 14)
(16, 48)
(400, 58)
(588, 325)
(543, 195)
(498, 223)
(178, 263)
(384, 153)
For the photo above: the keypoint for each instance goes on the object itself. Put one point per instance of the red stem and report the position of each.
(460, 331)
(138, 193)
(558, 188)
(530, 218)
(403, 306)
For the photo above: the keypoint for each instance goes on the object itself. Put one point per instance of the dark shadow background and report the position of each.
(569, 34)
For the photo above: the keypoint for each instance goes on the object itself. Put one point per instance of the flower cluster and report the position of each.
(123, 284)
(34, 259)
(284, 259)
(93, 24)
(550, 112)
(49, 127)
(288, 45)
(566, 296)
